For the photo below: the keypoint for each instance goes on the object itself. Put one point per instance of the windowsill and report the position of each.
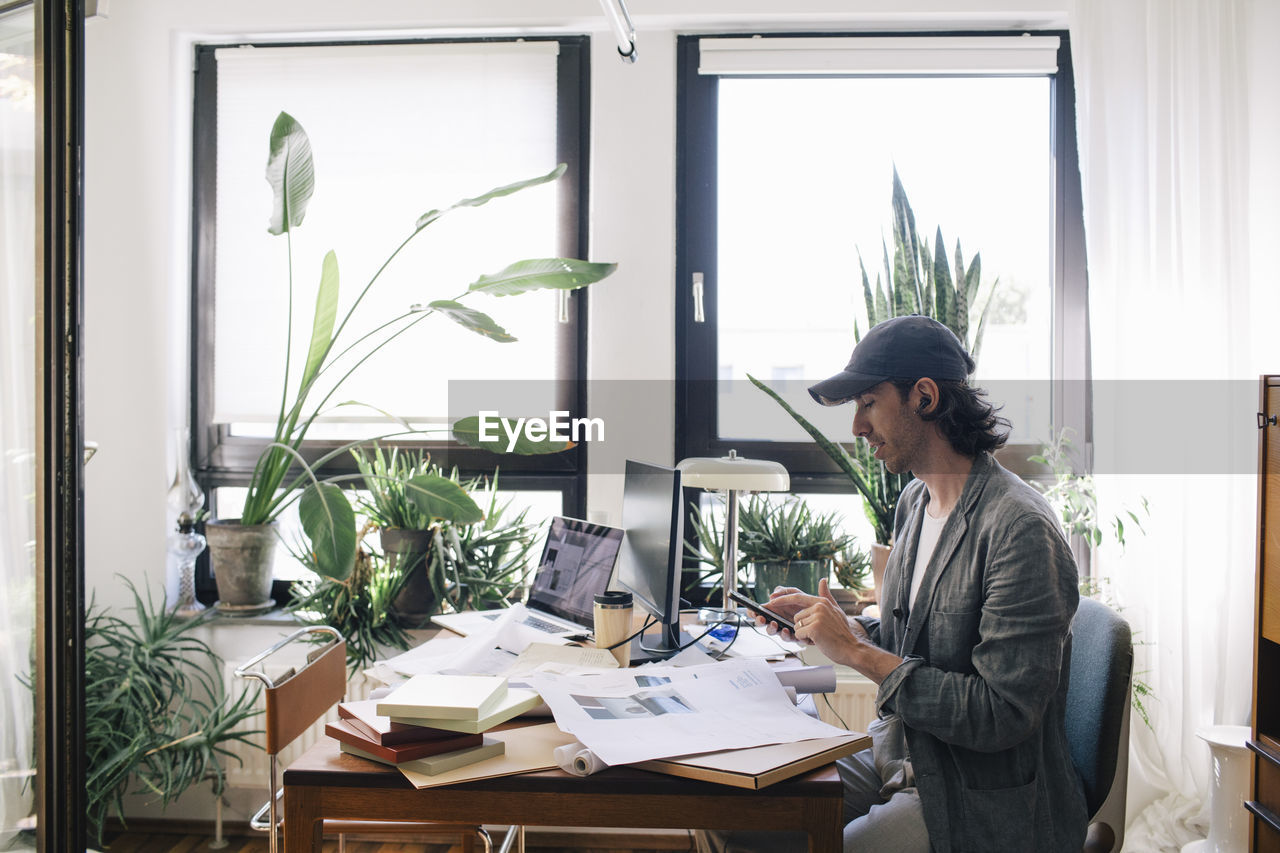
(277, 617)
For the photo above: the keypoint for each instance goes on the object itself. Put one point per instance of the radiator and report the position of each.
(854, 701)
(253, 770)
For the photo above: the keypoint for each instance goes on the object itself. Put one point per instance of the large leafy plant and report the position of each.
(389, 501)
(327, 517)
(157, 719)
(920, 279)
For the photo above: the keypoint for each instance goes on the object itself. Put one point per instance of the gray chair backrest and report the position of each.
(1097, 695)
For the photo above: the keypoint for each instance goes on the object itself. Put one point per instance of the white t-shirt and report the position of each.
(930, 532)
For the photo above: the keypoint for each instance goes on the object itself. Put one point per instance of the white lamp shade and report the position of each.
(733, 473)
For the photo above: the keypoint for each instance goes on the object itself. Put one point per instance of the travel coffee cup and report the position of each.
(613, 624)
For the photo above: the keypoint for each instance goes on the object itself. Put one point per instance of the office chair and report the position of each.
(1097, 718)
(294, 700)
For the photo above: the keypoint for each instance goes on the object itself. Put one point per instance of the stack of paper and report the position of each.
(458, 703)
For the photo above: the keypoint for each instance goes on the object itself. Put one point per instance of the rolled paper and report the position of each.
(577, 759)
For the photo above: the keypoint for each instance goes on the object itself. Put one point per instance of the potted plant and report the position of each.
(920, 281)
(1074, 499)
(157, 719)
(706, 550)
(487, 564)
(241, 549)
(787, 544)
(406, 530)
(852, 569)
(358, 606)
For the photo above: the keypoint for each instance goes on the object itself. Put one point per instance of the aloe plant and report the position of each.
(327, 517)
(486, 563)
(920, 280)
(768, 532)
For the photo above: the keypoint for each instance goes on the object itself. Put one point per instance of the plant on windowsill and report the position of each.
(921, 280)
(852, 570)
(785, 543)
(156, 718)
(405, 530)
(358, 606)
(241, 549)
(474, 563)
(487, 564)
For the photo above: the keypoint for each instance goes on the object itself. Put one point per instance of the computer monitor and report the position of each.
(652, 545)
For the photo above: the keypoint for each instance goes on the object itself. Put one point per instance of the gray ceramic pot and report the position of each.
(242, 557)
(409, 552)
(802, 574)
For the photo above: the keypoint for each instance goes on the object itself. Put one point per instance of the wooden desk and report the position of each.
(326, 783)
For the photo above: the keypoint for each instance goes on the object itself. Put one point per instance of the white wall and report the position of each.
(137, 186)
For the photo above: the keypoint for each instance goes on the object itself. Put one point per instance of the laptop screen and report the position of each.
(576, 564)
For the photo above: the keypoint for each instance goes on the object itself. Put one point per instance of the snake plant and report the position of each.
(920, 280)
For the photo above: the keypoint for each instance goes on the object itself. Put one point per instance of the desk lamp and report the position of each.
(732, 475)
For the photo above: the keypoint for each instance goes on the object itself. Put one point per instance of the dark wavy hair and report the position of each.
(967, 420)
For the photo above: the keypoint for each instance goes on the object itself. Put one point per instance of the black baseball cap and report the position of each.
(910, 347)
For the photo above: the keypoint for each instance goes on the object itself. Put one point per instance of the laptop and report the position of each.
(576, 565)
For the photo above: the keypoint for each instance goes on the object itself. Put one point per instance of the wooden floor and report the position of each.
(139, 841)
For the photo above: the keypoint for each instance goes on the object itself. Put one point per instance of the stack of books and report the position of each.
(437, 722)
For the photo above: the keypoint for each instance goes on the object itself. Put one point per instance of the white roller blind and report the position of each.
(1000, 55)
(396, 130)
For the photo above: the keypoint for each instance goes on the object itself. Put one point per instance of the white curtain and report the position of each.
(17, 416)
(1178, 105)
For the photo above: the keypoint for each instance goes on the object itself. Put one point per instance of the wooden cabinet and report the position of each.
(1265, 743)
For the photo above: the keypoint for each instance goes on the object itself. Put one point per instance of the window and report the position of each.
(397, 129)
(788, 147)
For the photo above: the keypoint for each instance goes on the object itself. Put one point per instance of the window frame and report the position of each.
(696, 415)
(220, 459)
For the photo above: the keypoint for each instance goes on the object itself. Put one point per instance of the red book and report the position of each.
(363, 717)
(341, 730)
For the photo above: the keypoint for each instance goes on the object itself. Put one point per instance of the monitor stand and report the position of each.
(657, 649)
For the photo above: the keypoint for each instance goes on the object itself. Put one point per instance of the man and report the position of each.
(972, 649)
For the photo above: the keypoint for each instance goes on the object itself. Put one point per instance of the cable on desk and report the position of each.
(723, 621)
(649, 623)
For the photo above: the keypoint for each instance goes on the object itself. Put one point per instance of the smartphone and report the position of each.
(757, 607)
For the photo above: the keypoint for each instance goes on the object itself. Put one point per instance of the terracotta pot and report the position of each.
(409, 551)
(802, 574)
(851, 601)
(879, 559)
(242, 557)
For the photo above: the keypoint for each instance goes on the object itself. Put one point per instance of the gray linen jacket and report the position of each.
(987, 649)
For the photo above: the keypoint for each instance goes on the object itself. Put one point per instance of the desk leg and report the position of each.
(826, 830)
(303, 830)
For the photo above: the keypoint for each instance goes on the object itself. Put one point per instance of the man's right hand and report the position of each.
(820, 621)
